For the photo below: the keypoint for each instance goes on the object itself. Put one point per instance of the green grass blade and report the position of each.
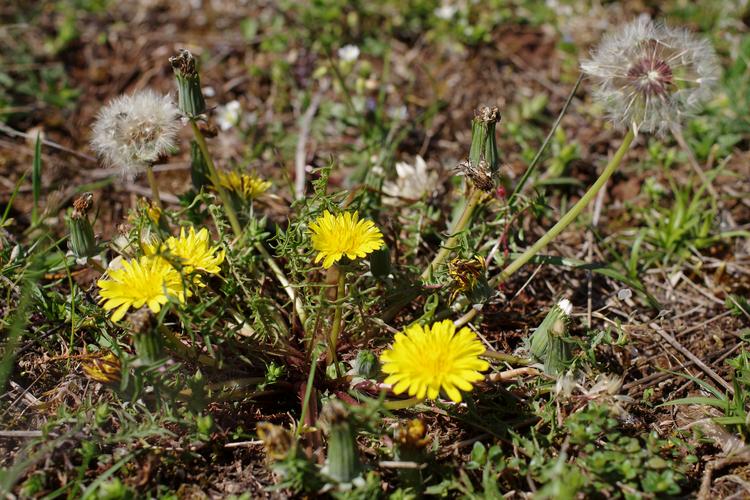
(13, 195)
(36, 179)
(697, 400)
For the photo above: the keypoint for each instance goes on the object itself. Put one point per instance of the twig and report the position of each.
(534, 162)
(243, 444)
(143, 191)
(677, 132)
(300, 153)
(705, 492)
(17, 133)
(400, 464)
(20, 434)
(509, 375)
(685, 352)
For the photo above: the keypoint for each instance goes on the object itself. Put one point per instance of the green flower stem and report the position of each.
(298, 307)
(457, 227)
(573, 213)
(234, 222)
(214, 176)
(566, 219)
(154, 187)
(184, 351)
(538, 156)
(401, 404)
(308, 391)
(337, 315)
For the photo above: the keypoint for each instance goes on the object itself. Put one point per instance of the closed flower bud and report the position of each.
(82, 241)
(483, 142)
(342, 461)
(548, 344)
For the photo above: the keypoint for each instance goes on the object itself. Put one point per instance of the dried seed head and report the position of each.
(81, 205)
(190, 94)
(650, 76)
(184, 63)
(466, 273)
(487, 114)
(133, 131)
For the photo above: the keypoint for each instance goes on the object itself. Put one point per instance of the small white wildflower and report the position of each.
(446, 12)
(650, 76)
(132, 131)
(228, 116)
(412, 183)
(565, 306)
(348, 53)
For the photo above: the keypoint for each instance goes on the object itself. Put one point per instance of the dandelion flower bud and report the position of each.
(342, 461)
(82, 240)
(189, 90)
(133, 131)
(549, 344)
(650, 76)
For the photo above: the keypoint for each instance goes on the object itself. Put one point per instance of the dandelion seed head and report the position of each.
(650, 76)
(132, 131)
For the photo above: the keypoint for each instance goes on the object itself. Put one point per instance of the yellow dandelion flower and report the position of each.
(246, 186)
(193, 250)
(424, 360)
(149, 280)
(344, 234)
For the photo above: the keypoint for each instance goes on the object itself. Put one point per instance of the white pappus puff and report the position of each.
(132, 131)
(649, 76)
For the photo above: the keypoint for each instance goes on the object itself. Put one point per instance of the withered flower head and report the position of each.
(103, 367)
(649, 76)
(466, 273)
(411, 434)
(487, 114)
(277, 440)
(81, 205)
